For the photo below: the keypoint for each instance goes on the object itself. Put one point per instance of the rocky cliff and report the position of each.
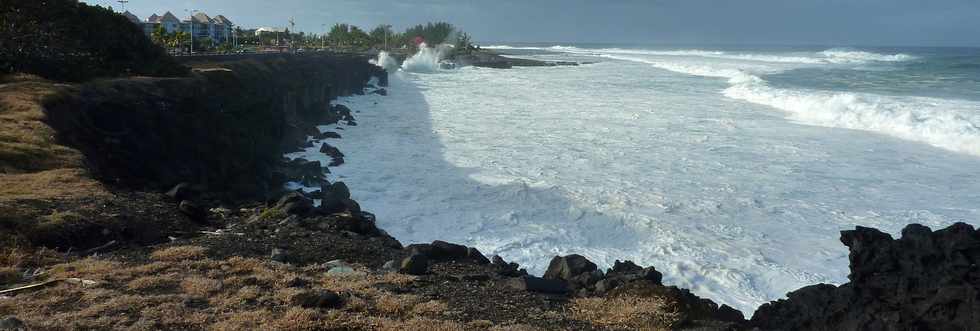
(926, 280)
(224, 127)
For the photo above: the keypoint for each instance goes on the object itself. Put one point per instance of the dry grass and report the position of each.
(181, 288)
(179, 253)
(27, 144)
(649, 313)
(396, 305)
(153, 283)
(200, 286)
(9, 276)
(49, 184)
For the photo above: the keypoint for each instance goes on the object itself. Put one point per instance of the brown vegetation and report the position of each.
(181, 288)
(631, 313)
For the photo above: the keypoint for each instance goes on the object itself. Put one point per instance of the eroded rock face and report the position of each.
(924, 281)
(226, 129)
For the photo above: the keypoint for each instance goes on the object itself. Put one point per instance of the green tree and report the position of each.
(381, 34)
(159, 35)
(358, 37)
(432, 33)
(339, 34)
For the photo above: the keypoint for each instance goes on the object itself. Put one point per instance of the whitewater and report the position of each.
(731, 172)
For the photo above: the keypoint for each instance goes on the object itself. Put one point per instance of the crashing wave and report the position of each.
(948, 124)
(427, 60)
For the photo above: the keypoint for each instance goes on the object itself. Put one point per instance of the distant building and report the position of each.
(219, 29)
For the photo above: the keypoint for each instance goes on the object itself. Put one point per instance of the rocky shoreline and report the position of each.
(188, 217)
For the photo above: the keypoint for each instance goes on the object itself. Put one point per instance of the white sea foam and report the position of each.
(949, 124)
(830, 56)
(426, 60)
(843, 55)
(623, 160)
(387, 62)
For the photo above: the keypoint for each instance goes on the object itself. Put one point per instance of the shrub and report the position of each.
(71, 41)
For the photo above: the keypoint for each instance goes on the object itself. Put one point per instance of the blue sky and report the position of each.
(750, 22)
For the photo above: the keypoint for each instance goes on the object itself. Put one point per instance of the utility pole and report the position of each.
(387, 30)
(191, 13)
(323, 38)
(123, 3)
(292, 30)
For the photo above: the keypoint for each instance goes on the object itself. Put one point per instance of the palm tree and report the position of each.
(177, 40)
(159, 35)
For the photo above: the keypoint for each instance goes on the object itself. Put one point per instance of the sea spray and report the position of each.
(427, 59)
(386, 61)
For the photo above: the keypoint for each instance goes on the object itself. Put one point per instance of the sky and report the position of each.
(737, 22)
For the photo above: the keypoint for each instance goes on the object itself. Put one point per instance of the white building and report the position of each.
(218, 29)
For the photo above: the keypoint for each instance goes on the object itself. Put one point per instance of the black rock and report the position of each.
(415, 264)
(328, 135)
(330, 150)
(507, 269)
(194, 211)
(380, 92)
(535, 284)
(317, 299)
(336, 199)
(343, 112)
(423, 249)
(297, 282)
(924, 281)
(474, 254)
(11, 323)
(442, 251)
(196, 303)
(295, 203)
(568, 267)
(181, 192)
(279, 255)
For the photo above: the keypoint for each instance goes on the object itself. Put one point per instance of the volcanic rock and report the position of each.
(924, 281)
(535, 284)
(317, 299)
(415, 264)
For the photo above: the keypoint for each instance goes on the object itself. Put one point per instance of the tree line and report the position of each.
(349, 36)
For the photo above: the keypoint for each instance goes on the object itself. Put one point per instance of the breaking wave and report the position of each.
(948, 124)
(830, 56)
(426, 60)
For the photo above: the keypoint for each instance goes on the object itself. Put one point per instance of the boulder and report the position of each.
(924, 281)
(343, 112)
(335, 198)
(11, 323)
(474, 254)
(181, 192)
(194, 211)
(507, 269)
(535, 284)
(279, 255)
(193, 303)
(415, 264)
(317, 299)
(443, 251)
(568, 267)
(327, 135)
(295, 203)
(331, 151)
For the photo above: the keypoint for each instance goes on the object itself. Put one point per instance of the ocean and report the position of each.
(730, 170)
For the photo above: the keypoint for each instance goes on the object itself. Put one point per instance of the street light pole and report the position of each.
(323, 38)
(191, 13)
